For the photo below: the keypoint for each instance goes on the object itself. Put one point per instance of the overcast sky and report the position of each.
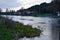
(17, 4)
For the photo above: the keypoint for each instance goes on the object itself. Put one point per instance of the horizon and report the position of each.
(17, 4)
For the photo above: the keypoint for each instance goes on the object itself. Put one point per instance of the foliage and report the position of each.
(26, 30)
(5, 33)
(19, 30)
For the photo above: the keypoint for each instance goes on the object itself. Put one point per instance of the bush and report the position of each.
(5, 33)
(10, 30)
(26, 30)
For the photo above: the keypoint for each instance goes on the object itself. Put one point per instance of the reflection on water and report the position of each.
(43, 23)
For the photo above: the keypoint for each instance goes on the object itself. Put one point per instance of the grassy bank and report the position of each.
(5, 33)
(10, 30)
(26, 30)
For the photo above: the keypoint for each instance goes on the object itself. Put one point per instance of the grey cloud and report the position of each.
(9, 3)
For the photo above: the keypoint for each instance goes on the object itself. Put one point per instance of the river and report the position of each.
(43, 23)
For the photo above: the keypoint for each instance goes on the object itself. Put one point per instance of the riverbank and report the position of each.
(5, 33)
(15, 30)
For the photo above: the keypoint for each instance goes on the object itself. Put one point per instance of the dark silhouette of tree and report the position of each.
(7, 10)
(0, 10)
(12, 10)
(57, 2)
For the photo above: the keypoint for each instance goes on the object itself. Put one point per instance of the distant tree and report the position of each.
(22, 8)
(12, 10)
(23, 11)
(43, 7)
(7, 10)
(0, 10)
(57, 2)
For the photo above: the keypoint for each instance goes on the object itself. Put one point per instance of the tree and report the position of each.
(0, 10)
(7, 10)
(57, 2)
(12, 10)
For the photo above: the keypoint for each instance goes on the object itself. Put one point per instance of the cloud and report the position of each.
(9, 3)
(29, 3)
(17, 4)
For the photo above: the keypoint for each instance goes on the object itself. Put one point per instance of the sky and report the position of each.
(17, 4)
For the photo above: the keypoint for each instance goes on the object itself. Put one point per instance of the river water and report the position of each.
(43, 23)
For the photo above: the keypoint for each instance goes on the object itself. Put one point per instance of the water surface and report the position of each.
(43, 23)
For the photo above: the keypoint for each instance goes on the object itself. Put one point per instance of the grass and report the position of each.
(5, 33)
(26, 30)
(19, 30)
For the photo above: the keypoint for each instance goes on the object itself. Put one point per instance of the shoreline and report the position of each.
(19, 29)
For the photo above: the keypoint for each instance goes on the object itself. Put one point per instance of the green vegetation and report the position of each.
(18, 31)
(5, 33)
(41, 14)
(47, 15)
(26, 30)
